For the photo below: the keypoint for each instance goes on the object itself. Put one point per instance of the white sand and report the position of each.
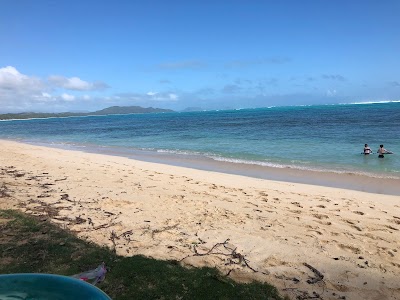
(352, 238)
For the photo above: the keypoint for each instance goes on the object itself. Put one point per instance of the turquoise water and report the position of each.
(326, 138)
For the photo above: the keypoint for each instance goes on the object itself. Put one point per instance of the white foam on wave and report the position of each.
(371, 102)
(299, 167)
(294, 165)
(180, 152)
(275, 164)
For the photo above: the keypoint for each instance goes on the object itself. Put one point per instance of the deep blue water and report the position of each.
(325, 138)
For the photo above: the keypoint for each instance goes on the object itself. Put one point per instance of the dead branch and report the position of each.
(318, 274)
(45, 185)
(61, 179)
(66, 197)
(127, 236)
(79, 220)
(62, 219)
(106, 225)
(234, 258)
(113, 237)
(162, 229)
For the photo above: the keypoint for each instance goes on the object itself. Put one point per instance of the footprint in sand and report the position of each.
(320, 216)
(359, 213)
(398, 218)
(349, 222)
(395, 221)
(349, 248)
(357, 227)
(316, 231)
(375, 237)
(272, 261)
(324, 223)
(391, 227)
(325, 200)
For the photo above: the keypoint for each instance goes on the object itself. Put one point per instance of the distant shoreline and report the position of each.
(113, 110)
(124, 110)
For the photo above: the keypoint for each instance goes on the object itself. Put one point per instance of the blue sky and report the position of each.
(87, 55)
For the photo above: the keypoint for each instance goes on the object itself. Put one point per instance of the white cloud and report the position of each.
(19, 91)
(76, 84)
(43, 98)
(157, 96)
(163, 97)
(12, 79)
(67, 97)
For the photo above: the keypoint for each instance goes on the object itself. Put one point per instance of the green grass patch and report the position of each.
(32, 245)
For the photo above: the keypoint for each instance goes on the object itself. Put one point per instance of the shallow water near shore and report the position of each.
(307, 144)
(388, 186)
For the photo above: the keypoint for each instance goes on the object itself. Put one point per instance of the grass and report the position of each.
(31, 244)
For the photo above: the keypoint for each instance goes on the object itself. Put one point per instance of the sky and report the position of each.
(58, 56)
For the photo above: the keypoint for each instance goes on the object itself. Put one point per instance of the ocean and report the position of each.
(319, 139)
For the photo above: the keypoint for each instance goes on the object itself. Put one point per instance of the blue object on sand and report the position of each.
(47, 286)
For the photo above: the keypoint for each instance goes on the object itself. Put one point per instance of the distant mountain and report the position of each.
(31, 115)
(113, 110)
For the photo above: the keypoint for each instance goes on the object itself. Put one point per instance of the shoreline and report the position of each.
(170, 212)
(345, 180)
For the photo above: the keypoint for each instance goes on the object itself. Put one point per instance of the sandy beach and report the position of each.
(307, 240)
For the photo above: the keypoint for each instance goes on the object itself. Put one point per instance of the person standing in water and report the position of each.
(381, 151)
(367, 149)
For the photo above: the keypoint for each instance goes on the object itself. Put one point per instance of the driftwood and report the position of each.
(113, 237)
(78, 220)
(304, 295)
(106, 225)
(66, 197)
(44, 207)
(163, 229)
(126, 235)
(61, 179)
(45, 185)
(234, 258)
(318, 274)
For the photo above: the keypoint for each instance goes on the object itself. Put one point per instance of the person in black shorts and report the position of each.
(381, 151)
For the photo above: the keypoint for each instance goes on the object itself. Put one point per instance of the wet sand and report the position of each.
(308, 240)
